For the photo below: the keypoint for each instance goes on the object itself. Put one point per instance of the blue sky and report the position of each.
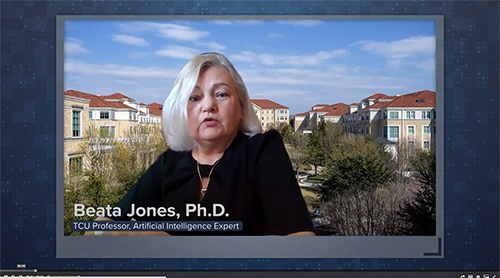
(295, 63)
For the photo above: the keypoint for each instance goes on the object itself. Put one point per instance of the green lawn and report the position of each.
(310, 197)
(316, 178)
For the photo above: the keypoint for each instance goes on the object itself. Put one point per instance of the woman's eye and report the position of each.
(194, 98)
(222, 95)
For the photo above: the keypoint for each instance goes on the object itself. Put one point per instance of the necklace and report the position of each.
(204, 188)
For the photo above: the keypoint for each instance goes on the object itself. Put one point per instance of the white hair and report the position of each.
(174, 111)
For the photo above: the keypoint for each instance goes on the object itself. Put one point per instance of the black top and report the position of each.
(253, 180)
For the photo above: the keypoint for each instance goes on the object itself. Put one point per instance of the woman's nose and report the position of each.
(208, 104)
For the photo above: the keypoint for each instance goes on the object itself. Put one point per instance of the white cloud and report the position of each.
(127, 82)
(306, 23)
(317, 78)
(222, 22)
(177, 51)
(271, 93)
(139, 55)
(182, 33)
(300, 72)
(165, 30)
(74, 46)
(244, 56)
(130, 40)
(212, 45)
(275, 36)
(119, 70)
(294, 60)
(410, 47)
(238, 22)
(249, 22)
(426, 65)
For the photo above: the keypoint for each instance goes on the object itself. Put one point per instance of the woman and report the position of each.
(218, 155)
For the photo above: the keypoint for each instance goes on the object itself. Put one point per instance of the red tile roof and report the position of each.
(378, 105)
(324, 109)
(267, 104)
(97, 101)
(354, 103)
(117, 96)
(338, 109)
(320, 106)
(377, 96)
(302, 114)
(424, 98)
(155, 109)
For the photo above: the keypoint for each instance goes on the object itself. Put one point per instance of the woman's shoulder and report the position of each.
(170, 157)
(264, 145)
(260, 140)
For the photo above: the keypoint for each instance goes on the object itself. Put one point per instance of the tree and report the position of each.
(316, 149)
(331, 135)
(283, 128)
(111, 167)
(403, 157)
(356, 164)
(421, 212)
(365, 213)
(296, 148)
(355, 200)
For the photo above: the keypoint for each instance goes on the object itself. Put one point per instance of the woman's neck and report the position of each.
(209, 152)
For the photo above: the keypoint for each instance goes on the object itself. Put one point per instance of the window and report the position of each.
(426, 145)
(262, 118)
(394, 132)
(384, 115)
(107, 131)
(411, 144)
(411, 129)
(393, 115)
(410, 114)
(76, 123)
(90, 114)
(76, 165)
(426, 114)
(426, 129)
(104, 115)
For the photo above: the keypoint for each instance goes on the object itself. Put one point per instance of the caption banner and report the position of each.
(157, 225)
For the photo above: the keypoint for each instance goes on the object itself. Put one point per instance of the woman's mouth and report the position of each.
(210, 122)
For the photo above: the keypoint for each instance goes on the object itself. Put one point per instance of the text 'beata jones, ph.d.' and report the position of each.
(217, 210)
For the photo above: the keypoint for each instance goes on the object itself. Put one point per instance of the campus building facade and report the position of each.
(113, 116)
(270, 113)
(409, 118)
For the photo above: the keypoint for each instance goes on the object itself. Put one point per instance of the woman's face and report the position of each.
(214, 110)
